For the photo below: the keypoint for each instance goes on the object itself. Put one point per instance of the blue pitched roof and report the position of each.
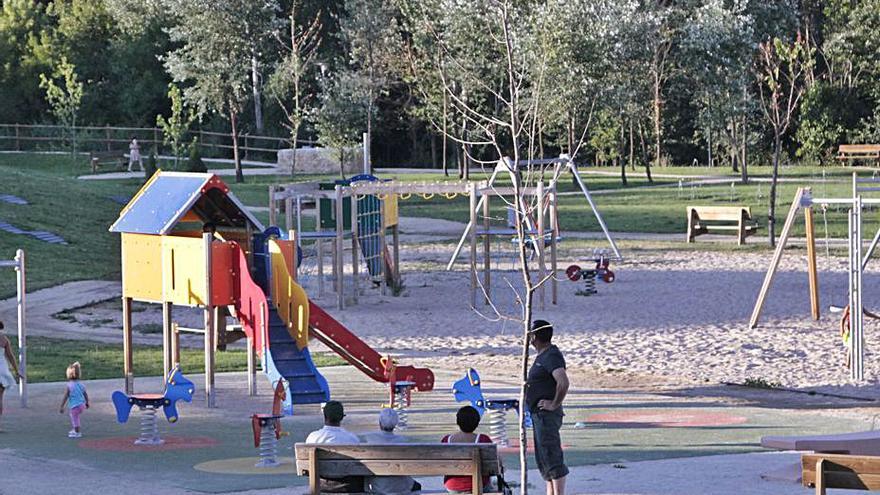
(168, 196)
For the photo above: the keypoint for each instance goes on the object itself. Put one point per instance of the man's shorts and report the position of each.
(548, 445)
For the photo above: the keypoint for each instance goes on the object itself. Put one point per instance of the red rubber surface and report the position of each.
(665, 418)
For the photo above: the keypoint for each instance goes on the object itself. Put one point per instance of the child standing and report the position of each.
(75, 397)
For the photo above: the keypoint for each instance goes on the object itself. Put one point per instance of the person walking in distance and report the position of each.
(134, 154)
(547, 385)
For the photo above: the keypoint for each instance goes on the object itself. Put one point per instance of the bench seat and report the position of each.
(847, 472)
(703, 219)
(410, 459)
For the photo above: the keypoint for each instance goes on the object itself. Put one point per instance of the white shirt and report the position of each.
(332, 434)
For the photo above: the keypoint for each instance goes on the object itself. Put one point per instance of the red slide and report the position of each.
(335, 336)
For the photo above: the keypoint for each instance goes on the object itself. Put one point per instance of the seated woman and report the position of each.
(467, 419)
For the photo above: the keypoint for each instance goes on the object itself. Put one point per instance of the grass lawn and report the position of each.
(48, 359)
(82, 211)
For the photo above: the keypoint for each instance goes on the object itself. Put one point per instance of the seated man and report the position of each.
(333, 432)
(388, 485)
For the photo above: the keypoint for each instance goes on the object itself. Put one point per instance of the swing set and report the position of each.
(852, 322)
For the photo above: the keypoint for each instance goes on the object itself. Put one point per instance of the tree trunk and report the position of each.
(709, 147)
(233, 119)
(445, 132)
(644, 147)
(620, 147)
(258, 100)
(744, 137)
(771, 219)
(658, 128)
(294, 134)
(632, 162)
(433, 151)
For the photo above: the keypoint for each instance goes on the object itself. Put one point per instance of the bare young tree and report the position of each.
(287, 84)
(781, 68)
(496, 86)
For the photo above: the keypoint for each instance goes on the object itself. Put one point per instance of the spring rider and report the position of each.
(469, 389)
(177, 387)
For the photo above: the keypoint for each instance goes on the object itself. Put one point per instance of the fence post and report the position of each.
(17, 142)
(156, 139)
(107, 136)
(245, 146)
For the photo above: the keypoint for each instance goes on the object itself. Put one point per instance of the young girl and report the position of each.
(75, 397)
(7, 360)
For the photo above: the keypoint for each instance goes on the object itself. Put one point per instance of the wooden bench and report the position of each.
(859, 152)
(702, 219)
(114, 160)
(849, 472)
(411, 459)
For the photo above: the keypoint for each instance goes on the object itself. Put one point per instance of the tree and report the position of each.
(216, 40)
(24, 54)
(342, 114)
(64, 93)
(717, 52)
(286, 84)
(781, 73)
(369, 29)
(494, 70)
(176, 127)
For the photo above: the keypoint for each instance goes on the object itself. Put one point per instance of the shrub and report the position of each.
(150, 166)
(195, 162)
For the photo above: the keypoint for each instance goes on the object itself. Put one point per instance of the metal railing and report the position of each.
(47, 137)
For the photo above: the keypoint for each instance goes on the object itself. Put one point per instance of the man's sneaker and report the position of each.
(73, 434)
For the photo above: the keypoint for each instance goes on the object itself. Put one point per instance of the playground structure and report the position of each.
(177, 387)
(540, 224)
(187, 240)
(506, 167)
(469, 389)
(857, 261)
(545, 215)
(366, 226)
(18, 264)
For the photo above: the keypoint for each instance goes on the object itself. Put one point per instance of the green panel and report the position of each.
(328, 211)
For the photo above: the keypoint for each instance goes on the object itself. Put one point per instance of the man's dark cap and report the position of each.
(333, 411)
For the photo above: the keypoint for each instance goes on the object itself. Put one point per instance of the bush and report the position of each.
(195, 162)
(826, 114)
(151, 166)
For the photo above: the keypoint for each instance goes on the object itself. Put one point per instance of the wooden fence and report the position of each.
(39, 137)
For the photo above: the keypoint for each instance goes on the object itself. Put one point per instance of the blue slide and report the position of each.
(284, 359)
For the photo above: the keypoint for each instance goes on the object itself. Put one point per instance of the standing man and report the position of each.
(547, 385)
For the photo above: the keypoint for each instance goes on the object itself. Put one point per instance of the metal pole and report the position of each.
(167, 357)
(366, 149)
(586, 192)
(251, 364)
(338, 248)
(208, 239)
(354, 246)
(21, 280)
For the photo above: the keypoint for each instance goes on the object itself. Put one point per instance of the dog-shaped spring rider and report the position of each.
(177, 387)
(469, 389)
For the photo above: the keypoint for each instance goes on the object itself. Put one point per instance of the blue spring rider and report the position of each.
(468, 389)
(177, 387)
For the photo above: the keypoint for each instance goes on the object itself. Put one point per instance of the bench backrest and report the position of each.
(859, 148)
(720, 213)
(854, 472)
(414, 459)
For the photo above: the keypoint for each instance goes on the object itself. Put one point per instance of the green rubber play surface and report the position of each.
(600, 427)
